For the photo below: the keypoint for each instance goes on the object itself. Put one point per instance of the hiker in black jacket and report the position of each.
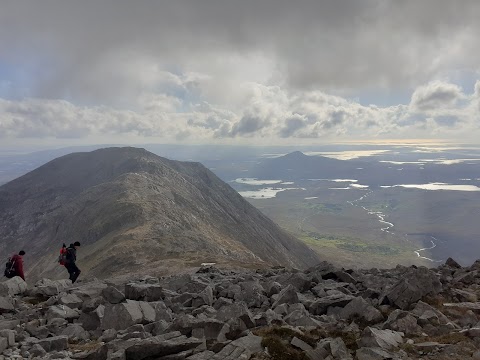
(71, 258)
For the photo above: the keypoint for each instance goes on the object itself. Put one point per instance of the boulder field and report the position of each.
(277, 313)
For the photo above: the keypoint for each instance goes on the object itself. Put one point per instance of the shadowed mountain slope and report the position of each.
(133, 210)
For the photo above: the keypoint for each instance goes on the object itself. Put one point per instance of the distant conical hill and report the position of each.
(135, 211)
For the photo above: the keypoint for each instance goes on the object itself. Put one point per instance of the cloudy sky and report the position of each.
(250, 71)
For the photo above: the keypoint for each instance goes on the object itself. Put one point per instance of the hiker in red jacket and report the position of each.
(18, 264)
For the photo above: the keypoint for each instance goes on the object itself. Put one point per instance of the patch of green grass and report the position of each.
(349, 244)
(328, 208)
(366, 248)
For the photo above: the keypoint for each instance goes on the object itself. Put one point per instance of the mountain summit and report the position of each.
(135, 211)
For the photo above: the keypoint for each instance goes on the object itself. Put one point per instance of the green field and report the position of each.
(340, 232)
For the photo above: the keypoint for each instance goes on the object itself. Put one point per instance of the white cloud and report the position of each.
(266, 112)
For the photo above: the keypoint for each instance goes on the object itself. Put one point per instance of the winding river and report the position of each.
(387, 226)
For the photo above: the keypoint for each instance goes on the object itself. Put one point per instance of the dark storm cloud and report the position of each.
(292, 124)
(200, 70)
(248, 125)
(92, 50)
(436, 95)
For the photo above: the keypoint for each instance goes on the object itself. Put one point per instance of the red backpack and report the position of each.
(62, 259)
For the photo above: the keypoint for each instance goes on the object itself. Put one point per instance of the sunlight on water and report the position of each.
(254, 181)
(266, 193)
(346, 155)
(334, 180)
(437, 186)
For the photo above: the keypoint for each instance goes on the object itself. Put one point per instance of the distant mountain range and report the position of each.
(135, 211)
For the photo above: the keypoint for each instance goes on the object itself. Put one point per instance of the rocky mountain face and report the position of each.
(321, 313)
(135, 211)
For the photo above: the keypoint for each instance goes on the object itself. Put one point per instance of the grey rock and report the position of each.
(281, 309)
(374, 353)
(273, 288)
(35, 329)
(9, 335)
(204, 355)
(242, 348)
(402, 321)
(428, 314)
(63, 312)
(452, 263)
(113, 295)
(5, 304)
(162, 312)
(464, 295)
(466, 278)
(203, 298)
(92, 304)
(300, 344)
(360, 308)
(56, 343)
(236, 311)
(90, 290)
(385, 339)
(161, 345)
(145, 292)
(75, 332)
(117, 355)
(320, 306)
(341, 276)
(339, 350)
(98, 353)
(413, 286)
(464, 305)
(252, 293)
(121, 316)
(37, 351)
(3, 344)
(9, 324)
(300, 281)
(222, 301)
(287, 296)
(108, 335)
(47, 287)
(70, 300)
(13, 286)
(92, 320)
(157, 328)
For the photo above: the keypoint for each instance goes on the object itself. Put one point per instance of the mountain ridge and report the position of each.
(133, 209)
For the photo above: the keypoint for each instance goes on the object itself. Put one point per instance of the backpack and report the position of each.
(10, 268)
(62, 258)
